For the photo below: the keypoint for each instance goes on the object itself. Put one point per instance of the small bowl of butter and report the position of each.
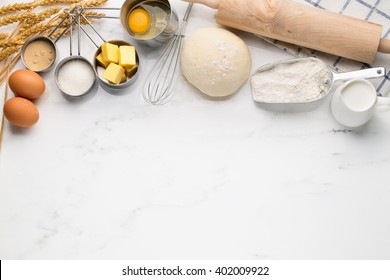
(116, 64)
(39, 53)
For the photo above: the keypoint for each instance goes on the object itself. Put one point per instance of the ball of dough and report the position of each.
(215, 61)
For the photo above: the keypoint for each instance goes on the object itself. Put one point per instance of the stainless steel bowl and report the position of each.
(103, 82)
(62, 63)
(33, 39)
(159, 39)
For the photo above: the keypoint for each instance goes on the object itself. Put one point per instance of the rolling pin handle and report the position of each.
(384, 46)
(214, 4)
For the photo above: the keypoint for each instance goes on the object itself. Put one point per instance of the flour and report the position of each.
(292, 81)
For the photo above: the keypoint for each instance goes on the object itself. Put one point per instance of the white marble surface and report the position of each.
(112, 177)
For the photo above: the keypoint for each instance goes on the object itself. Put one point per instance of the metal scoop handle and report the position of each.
(75, 16)
(93, 28)
(360, 74)
(104, 9)
(69, 14)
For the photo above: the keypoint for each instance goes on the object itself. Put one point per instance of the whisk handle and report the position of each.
(185, 18)
(187, 14)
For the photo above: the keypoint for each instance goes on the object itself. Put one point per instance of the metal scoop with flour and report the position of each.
(300, 80)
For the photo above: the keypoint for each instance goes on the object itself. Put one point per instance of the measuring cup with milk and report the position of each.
(355, 102)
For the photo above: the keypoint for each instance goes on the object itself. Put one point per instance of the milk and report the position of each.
(358, 96)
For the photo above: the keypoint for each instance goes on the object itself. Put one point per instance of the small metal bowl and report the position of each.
(38, 38)
(103, 82)
(159, 39)
(62, 63)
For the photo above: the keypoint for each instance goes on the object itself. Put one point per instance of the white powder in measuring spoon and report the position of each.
(294, 81)
(75, 77)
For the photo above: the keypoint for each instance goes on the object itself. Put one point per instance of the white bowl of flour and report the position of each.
(291, 81)
(300, 80)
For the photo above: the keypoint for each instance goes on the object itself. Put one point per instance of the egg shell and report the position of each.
(26, 83)
(21, 112)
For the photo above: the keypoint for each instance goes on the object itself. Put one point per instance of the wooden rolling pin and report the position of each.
(303, 25)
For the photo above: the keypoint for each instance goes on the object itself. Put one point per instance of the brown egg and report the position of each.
(26, 83)
(21, 112)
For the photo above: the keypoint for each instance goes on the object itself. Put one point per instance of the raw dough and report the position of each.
(215, 61)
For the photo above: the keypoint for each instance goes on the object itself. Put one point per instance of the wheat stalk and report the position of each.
(93, 3)
(6, 52)
(14, 18)
(9, 62)
(3, 36)
(55, 2)
(9, 43)
(8, 70)
(12, 8)
(93, 14)
(36, 29)
(17, 7)
(36, 18)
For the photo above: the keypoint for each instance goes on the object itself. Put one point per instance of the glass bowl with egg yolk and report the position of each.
(139, 21)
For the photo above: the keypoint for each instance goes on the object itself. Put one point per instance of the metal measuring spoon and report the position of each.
(106, 85)
(75, 58)
(37, 38)
(49, 40)
(325, 76)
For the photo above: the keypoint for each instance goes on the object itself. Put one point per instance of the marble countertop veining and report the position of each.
(112, 177)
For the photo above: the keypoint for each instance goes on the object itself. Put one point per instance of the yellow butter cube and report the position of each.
(127, 56)
(110, 53)
(130, 71)
(101, 61)
(114, 73)
(124, 78)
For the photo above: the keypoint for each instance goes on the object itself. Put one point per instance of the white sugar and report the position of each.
(75, 77)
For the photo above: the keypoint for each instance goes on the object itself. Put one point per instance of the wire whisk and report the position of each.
(160, 84)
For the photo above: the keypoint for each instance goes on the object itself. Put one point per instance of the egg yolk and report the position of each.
(139, 21)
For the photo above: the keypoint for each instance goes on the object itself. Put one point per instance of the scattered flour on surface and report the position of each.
(295, 81)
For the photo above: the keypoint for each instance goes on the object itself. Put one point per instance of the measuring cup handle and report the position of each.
(360, 74)
(383, 103)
